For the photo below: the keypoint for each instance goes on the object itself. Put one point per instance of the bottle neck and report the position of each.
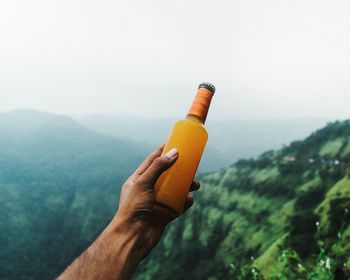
(200, 106)
(194, 118)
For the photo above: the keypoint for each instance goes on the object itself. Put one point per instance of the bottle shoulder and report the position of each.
(192, 123)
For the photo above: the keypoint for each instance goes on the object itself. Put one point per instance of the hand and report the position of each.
(134, 230)
(137, 199)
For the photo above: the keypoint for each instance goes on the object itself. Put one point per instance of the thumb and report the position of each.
(159, 165)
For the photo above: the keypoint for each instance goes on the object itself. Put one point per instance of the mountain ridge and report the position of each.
(59, 187)
(275, 217)
(228, 140)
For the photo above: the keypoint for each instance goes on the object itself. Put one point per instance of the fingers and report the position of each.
(195, 186)
(189, 199)
(158, 166)
(148, 161)
(188, 203)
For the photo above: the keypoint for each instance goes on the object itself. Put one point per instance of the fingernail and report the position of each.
(171, 153)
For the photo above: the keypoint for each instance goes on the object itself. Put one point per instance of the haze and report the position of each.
(268, 59)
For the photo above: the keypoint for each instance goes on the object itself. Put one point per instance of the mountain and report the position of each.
(228, 140)
(59, 186)
(150, 132)
(284, 215)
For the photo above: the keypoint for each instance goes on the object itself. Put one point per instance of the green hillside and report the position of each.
(284, 215)
(59, 185)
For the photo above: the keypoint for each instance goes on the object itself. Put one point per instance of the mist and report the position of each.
(268, 59)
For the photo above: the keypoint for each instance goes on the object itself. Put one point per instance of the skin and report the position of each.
(134, 230)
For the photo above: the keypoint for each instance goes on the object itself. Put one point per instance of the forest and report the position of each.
(282, 215)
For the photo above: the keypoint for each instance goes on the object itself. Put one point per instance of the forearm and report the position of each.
(134, 231)
(114, 255)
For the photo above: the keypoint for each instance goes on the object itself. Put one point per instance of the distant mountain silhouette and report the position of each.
(228, 140)
(59, 186)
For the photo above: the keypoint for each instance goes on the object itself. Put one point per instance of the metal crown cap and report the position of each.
(208, 86)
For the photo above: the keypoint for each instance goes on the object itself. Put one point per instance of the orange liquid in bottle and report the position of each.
(189, 137)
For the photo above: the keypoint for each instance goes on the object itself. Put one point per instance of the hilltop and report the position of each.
(59, 186)
(280, 215)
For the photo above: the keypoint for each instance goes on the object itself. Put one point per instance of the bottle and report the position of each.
(189, 137)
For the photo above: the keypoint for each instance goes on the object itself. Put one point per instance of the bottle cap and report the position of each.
(201, 102)
(208, 86)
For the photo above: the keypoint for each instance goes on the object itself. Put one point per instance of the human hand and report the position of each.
(137, 199)
(134, 230)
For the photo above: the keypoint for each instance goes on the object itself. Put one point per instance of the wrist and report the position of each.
(132, 233)
(125, 245)
(144, 233)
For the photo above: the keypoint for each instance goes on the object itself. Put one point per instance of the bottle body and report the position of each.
(189, 137)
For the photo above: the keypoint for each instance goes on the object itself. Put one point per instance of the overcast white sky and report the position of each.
(268, 59)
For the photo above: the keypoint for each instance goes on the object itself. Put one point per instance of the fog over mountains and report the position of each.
(60, 182)
(229, 140)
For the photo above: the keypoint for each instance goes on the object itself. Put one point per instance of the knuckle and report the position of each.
(147, 162)
(128, 185)
(142, 181)
(158, 162)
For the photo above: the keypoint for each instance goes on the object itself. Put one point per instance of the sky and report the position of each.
(272, 59)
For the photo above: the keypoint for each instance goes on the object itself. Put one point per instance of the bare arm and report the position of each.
(133, 232)
(114, 255)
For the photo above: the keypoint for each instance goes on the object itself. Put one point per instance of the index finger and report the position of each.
(148, 161)
(195, 186)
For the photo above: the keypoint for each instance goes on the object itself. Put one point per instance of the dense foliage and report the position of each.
(283, 215)
(58, 188)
